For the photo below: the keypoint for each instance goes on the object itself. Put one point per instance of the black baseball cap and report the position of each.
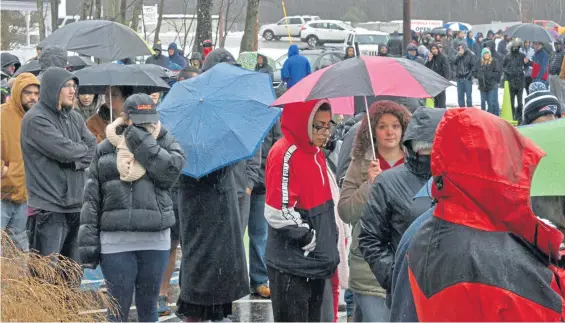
(140, 109)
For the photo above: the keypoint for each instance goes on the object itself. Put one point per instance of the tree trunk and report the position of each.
(123, 10)
(203, 24)
(225, 28)
(41, 20)
(250, 32)
(85, 9)
(98, 11)
(137, 10)
(159, 19)
(256, 36)
(54, 15)
(221, 25)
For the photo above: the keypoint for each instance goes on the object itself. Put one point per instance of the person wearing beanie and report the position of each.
(487, 75)
(514, 65)
(390, 206)
(540, 106)
(556, 74)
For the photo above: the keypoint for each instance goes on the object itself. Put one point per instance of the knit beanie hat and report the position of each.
(485, 50)
(537, 86)
(538, 104)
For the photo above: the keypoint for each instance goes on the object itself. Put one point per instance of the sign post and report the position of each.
(286, 20)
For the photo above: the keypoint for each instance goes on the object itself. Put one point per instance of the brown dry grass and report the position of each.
(45, 296)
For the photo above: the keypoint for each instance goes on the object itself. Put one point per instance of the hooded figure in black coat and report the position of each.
(390, 209)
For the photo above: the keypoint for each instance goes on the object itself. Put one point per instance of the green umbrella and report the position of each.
(248, 60)
(548, 178)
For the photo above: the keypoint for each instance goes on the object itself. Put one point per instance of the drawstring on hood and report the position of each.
(489, 189)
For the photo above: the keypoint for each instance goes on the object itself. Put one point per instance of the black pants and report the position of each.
(517, 93)
(528, 82)
(439, 100)
(294, 298)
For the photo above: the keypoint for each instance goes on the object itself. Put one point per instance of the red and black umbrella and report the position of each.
(368, 76)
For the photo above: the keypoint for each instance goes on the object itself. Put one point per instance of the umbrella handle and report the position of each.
(370, 130)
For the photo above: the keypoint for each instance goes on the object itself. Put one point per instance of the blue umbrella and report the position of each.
(219, 117)
(425, 191)
(457, 26)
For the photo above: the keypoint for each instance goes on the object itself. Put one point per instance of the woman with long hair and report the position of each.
(487, 75)
(388, 124)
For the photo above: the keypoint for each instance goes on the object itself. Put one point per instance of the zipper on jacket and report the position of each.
(319, 167)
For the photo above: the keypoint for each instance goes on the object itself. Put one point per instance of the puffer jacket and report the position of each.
(390, 209)
(439, 64)
(464, 64)
(111, 204)
(514, 67)
(556, 62)
(487, 75)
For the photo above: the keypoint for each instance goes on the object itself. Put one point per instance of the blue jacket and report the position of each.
(176, 58)
(539, 65)
(295, 68)
(402, 308)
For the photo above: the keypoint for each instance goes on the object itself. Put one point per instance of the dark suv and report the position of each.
(318, 58)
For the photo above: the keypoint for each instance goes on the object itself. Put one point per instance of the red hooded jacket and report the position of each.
(484, 256)
(299, 199)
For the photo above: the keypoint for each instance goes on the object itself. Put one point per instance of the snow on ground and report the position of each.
(452, 100)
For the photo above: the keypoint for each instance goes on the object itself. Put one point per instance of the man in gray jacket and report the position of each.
(57, 149)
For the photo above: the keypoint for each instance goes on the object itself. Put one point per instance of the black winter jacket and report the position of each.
(390, 206)
(513, 66)
(487, 75)
(555, 62)
(464, 65)
(440, 65)
(111, 204)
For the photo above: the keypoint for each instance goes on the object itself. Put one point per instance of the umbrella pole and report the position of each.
(370, 130)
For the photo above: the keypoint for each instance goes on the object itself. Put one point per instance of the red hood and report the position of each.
(296, 123)
(487, 169)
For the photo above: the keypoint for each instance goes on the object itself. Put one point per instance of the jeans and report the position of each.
(465, 89)
(489, 98)
(141, 271)
(348, 296)
(244, 206)
(14, 220)
(52, 232)
(372, 308)
(257, 232)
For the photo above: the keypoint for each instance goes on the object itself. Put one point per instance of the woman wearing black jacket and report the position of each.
(488, 76)
(127, 213)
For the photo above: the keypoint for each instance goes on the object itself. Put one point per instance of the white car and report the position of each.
(278, 30)
(325, 31)
(367, 40)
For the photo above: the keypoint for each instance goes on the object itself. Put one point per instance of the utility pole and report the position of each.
(407, 22)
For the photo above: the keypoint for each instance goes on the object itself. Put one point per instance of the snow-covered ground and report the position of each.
(452, 100)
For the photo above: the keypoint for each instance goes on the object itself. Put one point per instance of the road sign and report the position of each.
(150, 15)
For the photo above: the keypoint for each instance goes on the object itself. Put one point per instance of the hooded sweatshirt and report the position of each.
(390, 210)
(52, 56)
(7, 60)
(265, 68)
(299, 199)
(87, 111)
(158, 58)
(11, 115)
(295, 68)
(57, 148)
(176, 58)
(484, 256)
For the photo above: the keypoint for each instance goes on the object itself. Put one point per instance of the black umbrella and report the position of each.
(32, 67)
(531, 32)
(76, 63)
(106, 40)
(438, 31)
(155, 70)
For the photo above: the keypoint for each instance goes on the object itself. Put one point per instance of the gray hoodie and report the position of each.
(57, 148)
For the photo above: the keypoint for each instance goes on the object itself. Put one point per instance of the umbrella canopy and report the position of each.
(457, 26)
(32, 67)
(219, 117)
(368, 76)
(75, 63)
(248, 60)
(438, 31)
(548, 178)
(106, 40)
(96, 78)
(531, 32)
(155, 70)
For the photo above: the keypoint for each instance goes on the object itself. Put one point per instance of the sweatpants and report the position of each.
(294, 298)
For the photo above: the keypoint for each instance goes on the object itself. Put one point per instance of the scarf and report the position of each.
(130, 169)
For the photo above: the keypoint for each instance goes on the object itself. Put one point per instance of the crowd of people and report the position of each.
(102, 184)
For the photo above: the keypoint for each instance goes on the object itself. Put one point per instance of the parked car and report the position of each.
(550, 25)
(367, 40)
(319, 32)
(278, 30)
(318, 57)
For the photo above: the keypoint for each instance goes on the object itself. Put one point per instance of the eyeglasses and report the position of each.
(70, 86)
(321, 128)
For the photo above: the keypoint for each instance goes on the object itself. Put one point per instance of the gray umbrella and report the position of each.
(32, 67)
(76, 63)
(155, 70)
(106, 40)
(531, 32)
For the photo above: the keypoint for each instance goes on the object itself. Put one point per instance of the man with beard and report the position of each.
(25, 93)
(438, 63)
(57, 148)
(514, 65)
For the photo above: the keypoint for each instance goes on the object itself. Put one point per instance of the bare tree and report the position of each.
(54, 15)
(123, 10)
(98, 10)
(137, 11)
(249, 33)
(41, 20)
(159, 20)
(85, 9)
(221, 25)
(182, 29)
(203, 23)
